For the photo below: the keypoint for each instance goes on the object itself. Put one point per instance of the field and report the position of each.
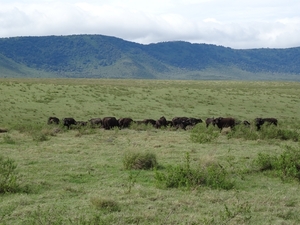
(78, 176)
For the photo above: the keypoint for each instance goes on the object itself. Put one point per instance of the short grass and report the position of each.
(77, 176)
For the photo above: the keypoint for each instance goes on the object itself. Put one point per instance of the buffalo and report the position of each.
(194, 121)
(81, 123)
(148, 121)
(209, 121)
(246, 123)
(180, 122)
(95, 122)
(125, 122)
(161, 122)
(183, 122)
(3, 130)
(169, 123)
(109, 123)
(69, 121)
(260, 121)
(224, 122)
(53, 120)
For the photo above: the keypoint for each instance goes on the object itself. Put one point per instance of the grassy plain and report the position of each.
(77, 176)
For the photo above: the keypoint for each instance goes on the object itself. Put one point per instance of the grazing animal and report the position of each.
(3, 130)
(109, 123)
(69, 121)
(149, 121)
(180, 122)
(125, 122)
(81, 123)
(209, 121)
(260, 121)
(183, 122)
(95, 122)
(194, 121)
(224, 122)
(52, 120)
(161, 122)
(246, 123)
(169, 123)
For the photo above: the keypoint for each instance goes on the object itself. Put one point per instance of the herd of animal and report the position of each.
(177, 122)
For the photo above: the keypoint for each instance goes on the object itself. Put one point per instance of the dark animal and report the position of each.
(3, 130)
(194, 121)
(169, 123)
(95, 122)
(69, 121)
(52, 120)
(260, 121)
(81, 123)
(149, 121)
(209, 121)
(183, 122)
(109, 123)
(161, 122)
(180, 122)
(246, 123)
(224, 122)
(125, 122)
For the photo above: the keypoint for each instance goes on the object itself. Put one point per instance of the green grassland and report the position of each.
(77, 176)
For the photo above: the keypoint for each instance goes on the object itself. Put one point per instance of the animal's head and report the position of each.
(259, 121)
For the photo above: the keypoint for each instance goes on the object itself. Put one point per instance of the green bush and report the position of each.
(105, 204)
(245, 132)
(200, 134)
(286, 165)
(8, 140)
(266, 132)
(183, 176)
(264, 162)
(8, 175)
(139, 160)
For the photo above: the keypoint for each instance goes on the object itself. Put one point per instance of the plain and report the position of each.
(77, 176)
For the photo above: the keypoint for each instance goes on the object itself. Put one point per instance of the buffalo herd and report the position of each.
(177, 122)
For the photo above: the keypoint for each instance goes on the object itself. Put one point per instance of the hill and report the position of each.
(99, 56)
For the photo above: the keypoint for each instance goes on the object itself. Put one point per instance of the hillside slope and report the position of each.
(99, 56)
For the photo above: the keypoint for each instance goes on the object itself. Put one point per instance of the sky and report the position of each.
(239, 24)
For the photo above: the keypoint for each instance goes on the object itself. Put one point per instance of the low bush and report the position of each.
(286, 165)
(7, 139)
(200, 134)
(139, 160)
(8, 175)
(183, 176)
(281, 134)
(245, 132)
(105, 204)
(266, 132)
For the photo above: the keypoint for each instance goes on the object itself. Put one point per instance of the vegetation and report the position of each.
(144, 175)
(98, 56)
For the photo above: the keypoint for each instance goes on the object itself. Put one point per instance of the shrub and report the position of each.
(271, 132)
(200, 134)
(8, 175)
(266, 132)
(105, 204)
(285, 165)
(245, 132)
(214, 176)
(265, 162)
(8, 140)
(139, 160)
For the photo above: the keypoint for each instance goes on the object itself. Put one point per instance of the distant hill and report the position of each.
(99, 56)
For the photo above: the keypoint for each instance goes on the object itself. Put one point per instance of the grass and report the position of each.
(77, 176)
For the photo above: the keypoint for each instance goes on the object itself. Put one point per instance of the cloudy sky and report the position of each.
(231, 23)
